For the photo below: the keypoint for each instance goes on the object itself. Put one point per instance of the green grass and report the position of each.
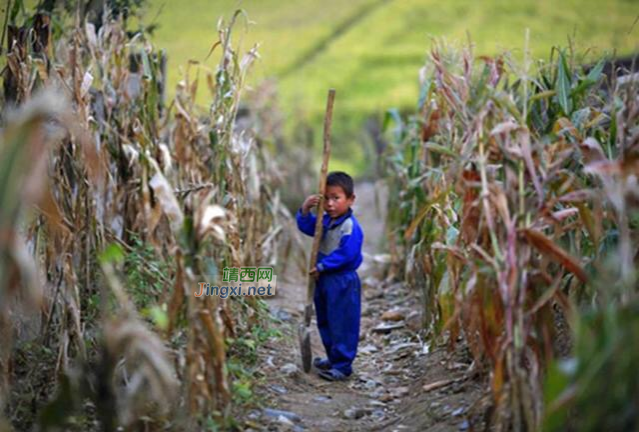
(371, 50)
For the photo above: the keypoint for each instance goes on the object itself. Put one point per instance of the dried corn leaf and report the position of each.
(547, 247)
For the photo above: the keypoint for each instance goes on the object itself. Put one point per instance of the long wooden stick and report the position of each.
(326, 154)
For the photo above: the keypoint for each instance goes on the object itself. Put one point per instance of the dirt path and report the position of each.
(386, 391)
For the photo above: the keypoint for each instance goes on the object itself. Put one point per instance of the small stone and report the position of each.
(377, 393)
(401, 391)
(458, 366)
(354, 413)
(269, 362)
(273, 413)
(393, 315)
(464, 425)
(459, 411)
(398, 346)
(414, 321)
(368, 349)
(327, 424)
(387, 397)
(279, 389)
(290, 369)
(370, 283)
(321, 398)
(378, 414)
(370, 384)
(458, 387)
(372, 293)
(383, 258)
(395, 288)
(253, 415)
(425, 349)
(284, 421)
(386, 328)
(281, 314)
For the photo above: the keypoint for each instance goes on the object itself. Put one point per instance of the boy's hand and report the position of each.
(310, 202)
(315, 273)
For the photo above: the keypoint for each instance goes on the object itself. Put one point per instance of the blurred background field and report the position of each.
(371, 50)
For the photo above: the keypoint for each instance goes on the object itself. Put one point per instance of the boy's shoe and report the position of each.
(332, 375)
(322, 364)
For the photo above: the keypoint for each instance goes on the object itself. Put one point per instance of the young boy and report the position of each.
(337, 292)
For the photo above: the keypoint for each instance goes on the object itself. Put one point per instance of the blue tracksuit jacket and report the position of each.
(338, 290)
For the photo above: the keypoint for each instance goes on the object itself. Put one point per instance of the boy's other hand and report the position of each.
(310, 202)
(314, 273)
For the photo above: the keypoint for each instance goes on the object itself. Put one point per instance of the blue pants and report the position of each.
(338, 308)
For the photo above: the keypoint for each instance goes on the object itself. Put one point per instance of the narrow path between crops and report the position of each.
(400, 382)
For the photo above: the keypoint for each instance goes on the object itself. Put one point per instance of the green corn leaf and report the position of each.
(543, 95)
(423, 94)
(113, 253)
(563, 85)
(595, 72)
(15, 10)
(593, 78)
(392, 115)
(146, 66)
(436, 148)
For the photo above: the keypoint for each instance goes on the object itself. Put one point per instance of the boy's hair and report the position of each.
(341, 179)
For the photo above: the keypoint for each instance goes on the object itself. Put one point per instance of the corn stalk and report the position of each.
(123, 166)
(496, 217)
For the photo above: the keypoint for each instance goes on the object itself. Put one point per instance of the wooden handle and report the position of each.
(328, 120)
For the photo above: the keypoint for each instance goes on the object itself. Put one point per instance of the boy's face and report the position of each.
(337, 203)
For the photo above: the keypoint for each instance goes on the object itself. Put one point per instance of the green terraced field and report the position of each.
(371, 50)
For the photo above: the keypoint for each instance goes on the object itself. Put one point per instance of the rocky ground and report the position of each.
(401, 381)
